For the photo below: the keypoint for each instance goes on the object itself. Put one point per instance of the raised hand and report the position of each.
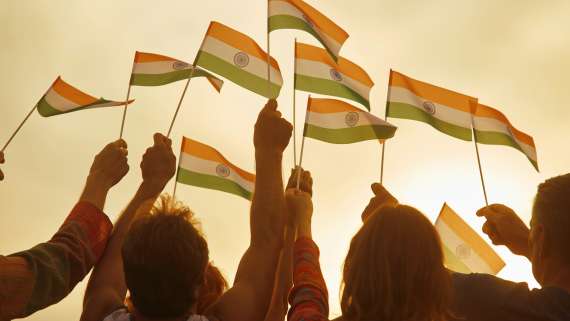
(300, 207)
(1, 162)
(504, 227)
(272, 132)
(306, 184)
(381, 198)
(158, 164)
(110, 165)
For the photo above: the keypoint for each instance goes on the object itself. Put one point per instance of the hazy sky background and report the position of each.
(513, 55)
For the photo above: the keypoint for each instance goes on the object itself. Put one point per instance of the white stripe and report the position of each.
(227, 53)
(322, 70)
(442, 112)
(59, 102)
(156, 67)
(488, 124)
(283, 8)
(450, 238)
(338, 120)
(208, 167)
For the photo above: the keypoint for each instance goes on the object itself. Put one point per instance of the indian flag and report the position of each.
(337, 122)
(63, 98)
(203, 166)
(465, 251)
(492, 127)
(317, 72)
(237, 57)
(296, 14)
(156, 70)
(445, 110)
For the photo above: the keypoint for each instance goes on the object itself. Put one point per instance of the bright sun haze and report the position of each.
(512, 55)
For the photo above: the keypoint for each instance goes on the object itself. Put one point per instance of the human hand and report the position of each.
(158, 164)
(300, 207)
(504, 227)
(272, 132)
(110, 165)
(1, 162)
(381, 198)
(306, 184)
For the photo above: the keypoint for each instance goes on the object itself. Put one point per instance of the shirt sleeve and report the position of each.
(43, 275)
(309, 296)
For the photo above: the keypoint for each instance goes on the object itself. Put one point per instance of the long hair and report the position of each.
(394, 270)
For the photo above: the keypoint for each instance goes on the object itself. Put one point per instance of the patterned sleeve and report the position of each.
(309, 296)
(43, 275)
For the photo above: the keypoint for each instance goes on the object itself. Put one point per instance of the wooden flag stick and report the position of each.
(385, 141)
(177, 173)
(127, 100)
(268, 54)
(479, 161)
(294, 106)
(19, 127)
(301, 155)
(180, 101)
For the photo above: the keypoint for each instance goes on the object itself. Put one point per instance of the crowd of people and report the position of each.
(153, 263)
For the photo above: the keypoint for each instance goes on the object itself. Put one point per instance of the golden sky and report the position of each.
(512, 55)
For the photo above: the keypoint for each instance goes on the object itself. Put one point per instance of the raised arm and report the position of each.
(43, 275)
(106, 289)
(249, 297)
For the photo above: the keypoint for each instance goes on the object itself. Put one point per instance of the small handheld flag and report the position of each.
(317, 72)
(237, 57)
(203, 166)
(337, 122)
(296, 14)
(465, 251)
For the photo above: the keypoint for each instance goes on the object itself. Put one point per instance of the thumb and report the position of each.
(271, 105)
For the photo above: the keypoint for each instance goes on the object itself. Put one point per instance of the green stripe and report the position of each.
(349, 135)
(166, 78)
(211, 182)
(498, 138)
(406, 111)
(237, 75)
(453, 263)
(281, 22)
(328, 87)
(46, 110)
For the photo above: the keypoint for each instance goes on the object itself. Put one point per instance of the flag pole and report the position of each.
(127, 101)
(385, 118)
(294, 105)
(479, 160)
(177, 173)
(18, 128)
(181, 99)
(302, 150)
(268, 54)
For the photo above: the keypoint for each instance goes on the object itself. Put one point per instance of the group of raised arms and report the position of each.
(394, 269)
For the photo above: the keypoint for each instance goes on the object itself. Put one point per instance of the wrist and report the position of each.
(268, 154)
(304, 229)
(99, 181)
(150, 188)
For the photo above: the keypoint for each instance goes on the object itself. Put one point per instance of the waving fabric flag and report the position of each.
(337, 122)
(317, 72)
(465, 251)
(156, 70)
(63, 98)
(445, 110)
(296, 14)
(492, 127)
(237, 57)
(203, 166)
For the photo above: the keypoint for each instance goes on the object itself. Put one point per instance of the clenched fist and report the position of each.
(272, 132)
(381, 198)
(110, 165)
(159, 163)
(504, 227)
(306, 184)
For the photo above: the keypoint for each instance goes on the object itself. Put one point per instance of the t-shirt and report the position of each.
(483, 297)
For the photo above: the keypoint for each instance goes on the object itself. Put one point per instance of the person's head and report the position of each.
(164, 258)
(394, 269)
(550, 228)
(214, 286)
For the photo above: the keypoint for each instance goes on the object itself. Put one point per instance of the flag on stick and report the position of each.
(337, 122)
(296, 14)
(237, 57)
(63, 98)
(493, 128)
(465, 251)
(317, 72)
(156, 70)
(203, 166)
(445, 110)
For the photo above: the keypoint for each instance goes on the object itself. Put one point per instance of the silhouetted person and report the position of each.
(164, 257)
(34, 279)
(393, 270)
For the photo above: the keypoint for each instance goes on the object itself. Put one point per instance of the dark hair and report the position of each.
(552, 210)
(164, 259)
(394, 270)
